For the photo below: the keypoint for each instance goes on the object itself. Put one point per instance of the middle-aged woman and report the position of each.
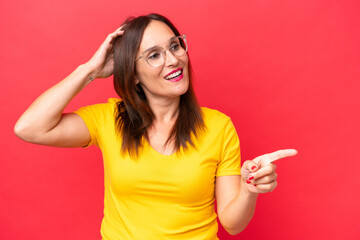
(166, 159)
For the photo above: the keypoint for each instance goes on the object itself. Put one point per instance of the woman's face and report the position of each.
(152, 79)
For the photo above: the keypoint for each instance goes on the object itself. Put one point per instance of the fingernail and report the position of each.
(253, 168)
(251, 177)
(248, 181)
(255, 185)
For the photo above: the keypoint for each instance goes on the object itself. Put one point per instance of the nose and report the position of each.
(170, 59)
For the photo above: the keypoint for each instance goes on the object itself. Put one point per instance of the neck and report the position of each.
(165, 110)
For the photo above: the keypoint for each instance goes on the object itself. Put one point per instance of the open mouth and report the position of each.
(175, 75)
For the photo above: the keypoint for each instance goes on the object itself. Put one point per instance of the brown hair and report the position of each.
(134, 116)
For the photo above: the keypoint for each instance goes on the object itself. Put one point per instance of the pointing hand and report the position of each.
(258, 175)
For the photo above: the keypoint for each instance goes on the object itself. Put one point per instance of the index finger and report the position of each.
(116, 33)
(274, 156)
(271, 157)
(121, 27)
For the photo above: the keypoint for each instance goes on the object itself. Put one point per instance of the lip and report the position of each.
(176, 79)
(173, 72)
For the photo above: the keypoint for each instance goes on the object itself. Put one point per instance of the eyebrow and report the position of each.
(155, 47)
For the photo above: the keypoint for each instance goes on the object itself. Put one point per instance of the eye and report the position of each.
(154, 55)
(175, 46)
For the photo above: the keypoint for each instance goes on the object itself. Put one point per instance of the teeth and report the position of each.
(173, 75)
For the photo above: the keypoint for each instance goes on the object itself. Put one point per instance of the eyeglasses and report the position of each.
(155, 56)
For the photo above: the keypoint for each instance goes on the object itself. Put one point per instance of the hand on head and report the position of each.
(102, 62)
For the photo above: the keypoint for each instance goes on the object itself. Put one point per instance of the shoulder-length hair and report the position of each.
(133, 115)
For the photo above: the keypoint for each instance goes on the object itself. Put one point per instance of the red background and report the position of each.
(286, 72)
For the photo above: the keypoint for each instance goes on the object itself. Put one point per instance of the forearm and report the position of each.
(46, 111)
(238, 213)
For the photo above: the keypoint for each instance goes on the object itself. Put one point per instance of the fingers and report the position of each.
(281, 154)
(251, 166)
(264, 188)
(247, 168)
(121, 27)
(263, 182)
(265, 179)
(118, 32)
(263, 171)
(271, 157)
(115, 34)
(264, 175)
(259, 173)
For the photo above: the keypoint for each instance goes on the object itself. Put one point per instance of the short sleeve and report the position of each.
(229, 164)
(88, 114)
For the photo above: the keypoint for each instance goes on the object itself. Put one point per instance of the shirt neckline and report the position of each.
(156, 153)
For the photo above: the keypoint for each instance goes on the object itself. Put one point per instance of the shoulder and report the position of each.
(111, 102)
(214, 117)
(110, 105)
(216, 122)
(99, 110)
(219, 128)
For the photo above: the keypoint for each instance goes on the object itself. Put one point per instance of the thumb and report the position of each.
(250, 166)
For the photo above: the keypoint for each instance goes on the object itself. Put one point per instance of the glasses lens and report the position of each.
(178, 47)
(155, 58)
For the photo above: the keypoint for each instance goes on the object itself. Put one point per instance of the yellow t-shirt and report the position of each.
(158, 196)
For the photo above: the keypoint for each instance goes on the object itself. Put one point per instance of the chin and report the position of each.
(183, 87)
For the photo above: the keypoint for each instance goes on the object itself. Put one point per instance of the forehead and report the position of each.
(156, 34)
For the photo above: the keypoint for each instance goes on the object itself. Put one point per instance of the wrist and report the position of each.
(244, 190)
(90, 72)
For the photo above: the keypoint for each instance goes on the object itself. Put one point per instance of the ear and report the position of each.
(137, 84)
(137, 81)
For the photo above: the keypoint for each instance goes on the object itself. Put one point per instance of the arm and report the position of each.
(236, 195)
(235, 205)
(44, 122)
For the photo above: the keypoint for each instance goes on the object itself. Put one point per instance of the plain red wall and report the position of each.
(286, 72)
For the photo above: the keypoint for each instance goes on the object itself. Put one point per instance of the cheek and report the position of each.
(186, 59)
(186, 62)
(146, 73)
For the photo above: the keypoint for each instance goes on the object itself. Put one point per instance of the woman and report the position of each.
(165, 158)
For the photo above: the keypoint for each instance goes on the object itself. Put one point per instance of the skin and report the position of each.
(236, 199)
(163, 95)
(45, 123)
(156, 88)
